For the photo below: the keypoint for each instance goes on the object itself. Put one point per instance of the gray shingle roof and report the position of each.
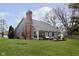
(42, 26)
(39, 25)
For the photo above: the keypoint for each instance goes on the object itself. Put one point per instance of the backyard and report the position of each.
(16, 47)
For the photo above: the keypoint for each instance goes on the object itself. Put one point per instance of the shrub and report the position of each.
(11, 33)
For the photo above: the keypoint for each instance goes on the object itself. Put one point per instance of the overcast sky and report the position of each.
(13, 13)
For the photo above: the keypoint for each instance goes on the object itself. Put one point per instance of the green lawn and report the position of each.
(13, 47)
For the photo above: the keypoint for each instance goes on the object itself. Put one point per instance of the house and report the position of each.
(29, 28)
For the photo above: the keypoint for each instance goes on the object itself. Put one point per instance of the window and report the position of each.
(35, 35)
(41, 34)
(52, 33)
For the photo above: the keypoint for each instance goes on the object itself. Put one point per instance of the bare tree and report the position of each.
(50, 18)
(55, 14)
(61, 14)
(2, 27)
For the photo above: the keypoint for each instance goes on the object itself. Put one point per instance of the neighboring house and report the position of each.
(29, 28)
(4, 35)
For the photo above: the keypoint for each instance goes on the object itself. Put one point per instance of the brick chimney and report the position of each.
(29, 24)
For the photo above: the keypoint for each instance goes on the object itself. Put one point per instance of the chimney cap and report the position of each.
(29, 11)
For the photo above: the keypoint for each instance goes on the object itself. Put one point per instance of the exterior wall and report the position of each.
(48, 33)
(33, 32)
(43, 34)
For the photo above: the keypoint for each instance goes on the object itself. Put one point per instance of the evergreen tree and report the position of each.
(74, 29)
(11, 32)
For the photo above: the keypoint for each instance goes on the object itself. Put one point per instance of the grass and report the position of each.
(16, 47)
